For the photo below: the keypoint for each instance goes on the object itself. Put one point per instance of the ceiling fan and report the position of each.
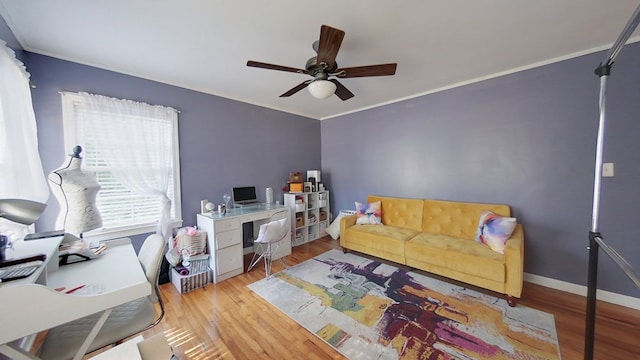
(323, 65)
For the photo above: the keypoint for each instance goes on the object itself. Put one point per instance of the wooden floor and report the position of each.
(228, 321)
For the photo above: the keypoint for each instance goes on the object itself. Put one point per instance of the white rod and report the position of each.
(631, 26)
(597, 181)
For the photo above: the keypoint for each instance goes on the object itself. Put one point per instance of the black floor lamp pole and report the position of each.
(595, 239)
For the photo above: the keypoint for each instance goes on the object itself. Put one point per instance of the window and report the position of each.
(120, 138)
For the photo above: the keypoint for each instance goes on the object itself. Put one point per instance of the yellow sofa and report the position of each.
(439, 237)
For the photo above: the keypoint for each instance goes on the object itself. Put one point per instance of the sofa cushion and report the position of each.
(401, 212)
(456, 219)
(494, 230)
(368, 214)
(385, 238)
(457, 254)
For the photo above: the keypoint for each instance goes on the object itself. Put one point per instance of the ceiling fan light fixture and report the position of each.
(322, 89)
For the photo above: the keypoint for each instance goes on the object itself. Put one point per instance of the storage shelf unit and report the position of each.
(310, 215)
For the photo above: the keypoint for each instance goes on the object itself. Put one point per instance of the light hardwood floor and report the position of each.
(228, 321)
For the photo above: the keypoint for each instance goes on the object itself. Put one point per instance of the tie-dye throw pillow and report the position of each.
(369, 214)
(494, 230)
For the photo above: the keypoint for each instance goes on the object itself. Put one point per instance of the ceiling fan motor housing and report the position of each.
(315, 69)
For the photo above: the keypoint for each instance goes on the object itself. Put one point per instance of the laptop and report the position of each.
(245, 195)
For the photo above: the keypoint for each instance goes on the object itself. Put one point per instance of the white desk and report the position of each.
(32, 305)
(224, 236)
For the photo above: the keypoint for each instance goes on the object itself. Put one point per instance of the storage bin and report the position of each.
(190, 282)
(299, 220)
(195, 244)
(199, 263)
(312, 219)
(323, 215)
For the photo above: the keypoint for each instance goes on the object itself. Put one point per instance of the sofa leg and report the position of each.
(511, 300)
(345, 250)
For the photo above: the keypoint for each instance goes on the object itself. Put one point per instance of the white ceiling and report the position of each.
(204, 44)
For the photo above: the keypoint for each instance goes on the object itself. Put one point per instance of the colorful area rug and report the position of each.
(369, 310)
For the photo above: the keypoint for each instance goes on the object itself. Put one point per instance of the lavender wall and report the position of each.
(223, 143)
(527, 140)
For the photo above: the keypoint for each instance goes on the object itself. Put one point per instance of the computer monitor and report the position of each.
(244, 195)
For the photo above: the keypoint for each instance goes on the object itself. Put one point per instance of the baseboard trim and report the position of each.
(610, 297)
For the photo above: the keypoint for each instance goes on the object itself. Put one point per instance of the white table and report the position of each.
(224, 236)
(32, 305)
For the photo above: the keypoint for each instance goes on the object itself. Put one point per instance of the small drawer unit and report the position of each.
(225, 242)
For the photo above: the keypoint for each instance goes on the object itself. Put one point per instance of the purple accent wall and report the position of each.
(223, 143)
(526, 139)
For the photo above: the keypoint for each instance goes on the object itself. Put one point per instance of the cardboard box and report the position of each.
(295, 187)
(299, 220)
(323, 215)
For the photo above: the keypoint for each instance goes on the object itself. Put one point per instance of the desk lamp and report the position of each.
(21, 211)
(25, 212)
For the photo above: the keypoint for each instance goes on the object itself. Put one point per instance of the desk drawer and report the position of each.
(228, 238)
(226, 225)
(229, 259)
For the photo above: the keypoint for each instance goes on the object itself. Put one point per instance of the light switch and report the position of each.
(607, 170)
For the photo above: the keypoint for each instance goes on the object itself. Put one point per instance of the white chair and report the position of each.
(268, 239)
(62, 342)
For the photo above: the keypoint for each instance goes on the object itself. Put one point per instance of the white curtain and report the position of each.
(21, 174)
(140, 156)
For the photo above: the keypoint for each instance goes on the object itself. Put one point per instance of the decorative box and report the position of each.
(199, 263)
(186, 283)
(295, 187)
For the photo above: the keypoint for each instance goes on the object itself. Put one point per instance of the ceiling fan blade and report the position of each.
(369, 70)
(342, 92)
(328, 45)
(297, 88)
(275, 67)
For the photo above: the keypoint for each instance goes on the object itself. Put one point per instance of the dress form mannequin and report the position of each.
(76, 192)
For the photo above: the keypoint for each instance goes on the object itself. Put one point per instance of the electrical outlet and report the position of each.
(607, 170)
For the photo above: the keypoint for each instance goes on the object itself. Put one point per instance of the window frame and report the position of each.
(69, 101)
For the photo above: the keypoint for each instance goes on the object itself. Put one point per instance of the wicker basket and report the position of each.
(195, 244)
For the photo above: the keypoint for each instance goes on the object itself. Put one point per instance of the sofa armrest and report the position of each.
(346, 222)
(514, 260)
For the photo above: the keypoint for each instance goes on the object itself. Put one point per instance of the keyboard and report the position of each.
(19, 271)
(20, 268)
